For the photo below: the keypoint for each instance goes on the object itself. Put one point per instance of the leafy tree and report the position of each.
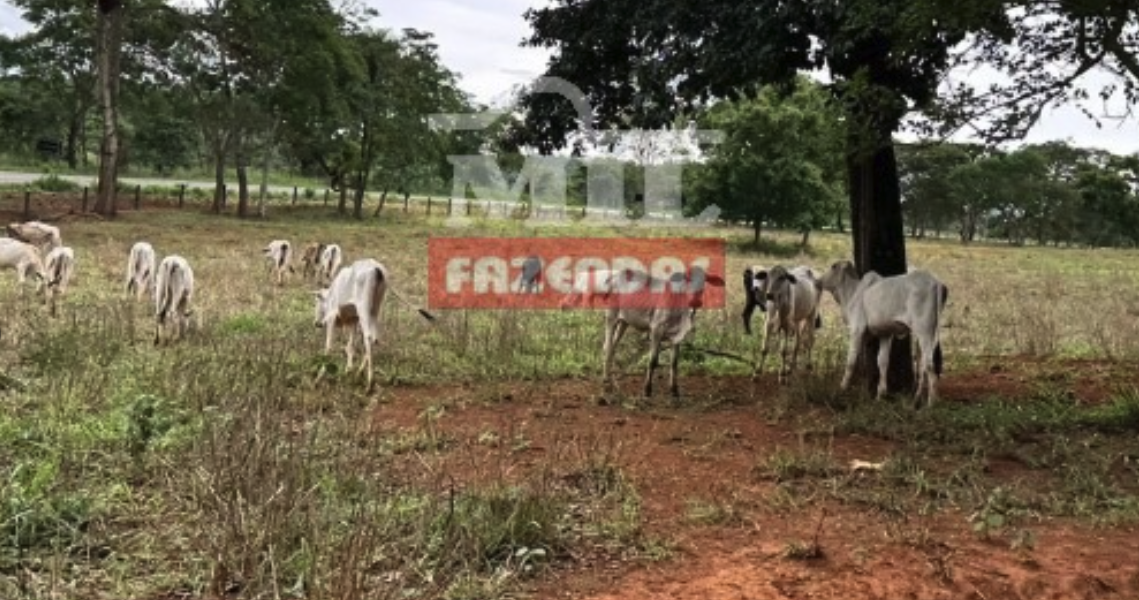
(777, 163)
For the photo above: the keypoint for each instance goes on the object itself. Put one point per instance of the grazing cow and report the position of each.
(588, 288)
(39, 234)
(25, 259)
(352, 301)
(329, 263)
(888, 308)
(669, 317)
(790, 299)
(60, 266)
(279, 254)
(173, 294)
(310, 260)
(142, 266)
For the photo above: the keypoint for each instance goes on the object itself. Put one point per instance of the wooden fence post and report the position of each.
(429, 206)
(137, 195)
(406, 197)
(326, 196)
(468, 207)
(84, 199)
(294, 194)
(449, 200)
(224, 195)
(181, 195)
(27, 205)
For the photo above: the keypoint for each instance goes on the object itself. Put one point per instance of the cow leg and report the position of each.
(851, 359)
(350, 348)
(884, 345)
(614, 330)
(654, 362)
(673, 383)
(329, 328)
(795, 351)
(809, 347)
(765, 348)
(929, 374)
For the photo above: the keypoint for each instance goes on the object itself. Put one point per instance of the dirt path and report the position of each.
(677, 456)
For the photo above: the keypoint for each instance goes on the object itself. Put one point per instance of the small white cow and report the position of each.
(667, 317)
(310, 260)
(142, 267)
(173, 295)
(279, 253)
(25, 259)
(790, 299)
(353, 301)
(888, 308)
(330, 258)
(60, 267)
(37, 233)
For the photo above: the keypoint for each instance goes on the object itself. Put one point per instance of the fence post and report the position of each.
(181, 195)
(224, 195)
(294, 194)
(429, 206)
(326, 196)
(449, 200)
(84, 199)
(406, 197)
(468, 207)
(27, 205)
(137, 195)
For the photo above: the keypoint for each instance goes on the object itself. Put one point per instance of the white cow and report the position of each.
(25, 259)
(667, 317)
(60, 267)
(310, 260)
(353, 301)
(142, 266)
(37, 233)
(330, 258)
(173, 294)
(790, 299)
(279, 254)
(888, 308)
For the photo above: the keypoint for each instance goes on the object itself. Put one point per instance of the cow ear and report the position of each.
(761, 276)
(714, 280)
(791, 278)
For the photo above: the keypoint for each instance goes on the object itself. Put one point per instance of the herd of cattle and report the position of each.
(886, 308)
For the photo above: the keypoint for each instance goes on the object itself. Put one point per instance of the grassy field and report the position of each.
(487, 464)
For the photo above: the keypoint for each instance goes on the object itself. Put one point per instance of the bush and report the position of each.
(54, 183)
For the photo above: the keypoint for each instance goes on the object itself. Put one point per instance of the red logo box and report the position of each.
(561, 273)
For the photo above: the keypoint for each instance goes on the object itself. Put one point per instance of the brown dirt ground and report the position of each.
(673, 455)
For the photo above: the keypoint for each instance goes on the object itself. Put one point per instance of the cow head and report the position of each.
(321, 312)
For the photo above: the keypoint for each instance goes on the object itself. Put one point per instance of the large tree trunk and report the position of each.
(342, 206)
(880, 244)
(109, 52)
(358, 200)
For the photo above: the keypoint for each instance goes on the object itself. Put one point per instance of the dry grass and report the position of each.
(221, 465)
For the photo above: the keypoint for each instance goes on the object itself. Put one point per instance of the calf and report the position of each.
(790, 299)
(310, 260)
(141, 269)
(352, 301)
(25, 259)
(39, 234)
(173, 294)
(888, 308)
(60, 266)
(668, 318)
(329, 263)
(279, 253)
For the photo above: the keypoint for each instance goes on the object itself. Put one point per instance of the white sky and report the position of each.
(479, 39)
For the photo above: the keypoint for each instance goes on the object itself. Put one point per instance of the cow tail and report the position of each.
(165, 294)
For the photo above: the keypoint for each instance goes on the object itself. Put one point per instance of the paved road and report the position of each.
(13, 178)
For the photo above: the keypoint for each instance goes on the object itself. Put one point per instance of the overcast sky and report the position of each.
(479, 39)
